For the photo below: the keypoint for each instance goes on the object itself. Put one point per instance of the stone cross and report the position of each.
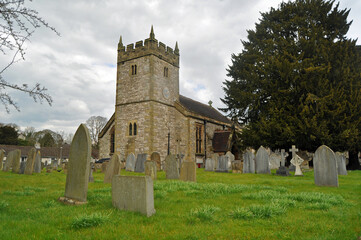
(297, 161)
(293, 150)
(284, 154)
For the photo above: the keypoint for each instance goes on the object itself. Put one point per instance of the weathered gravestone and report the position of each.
(29, 168)
(231, 158)
(341, 163)
(65, 167)
(91, 178)
(284, 154)
(139, 163)
(171, 167)
(76, 186)
(112, 169)
(237, 166)
(8, 162)
(130, 163)
(222, 164)
(325, 167)
(262, 161)
(248, 161)
(133, 193)
(15, 161)
(180, 158)
(155, 157)
(275, 160)
(282, 170)
(188, 172)
(297, 161)
(215, 159)
(294, 150)
(37, 163)
(151, 169)
(2, 155)
(105, 166)
(22, 167)
(210, 164)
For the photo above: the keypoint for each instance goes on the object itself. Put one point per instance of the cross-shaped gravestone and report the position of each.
(283, 157)
(297, 161)
(293, 150)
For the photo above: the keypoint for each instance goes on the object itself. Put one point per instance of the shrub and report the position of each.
(204, 213)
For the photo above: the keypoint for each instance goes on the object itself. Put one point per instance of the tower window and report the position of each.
(135, 129)
(112, 140)
(134, 69)
(165, 74)
(132, 129)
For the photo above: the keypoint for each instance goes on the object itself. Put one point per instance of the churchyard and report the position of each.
(218, 206)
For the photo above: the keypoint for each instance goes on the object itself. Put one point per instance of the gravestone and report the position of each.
(29, 168)
(262, 161)
(155, 157)
(104, 166)
(171, 167)
(282, 171)
(133, 193)
(188, 172)
(210, 164)
(22, 167)
(65, 167)
(215, 159)
(237, 166)
(130, 163)
(325, 167)
(341, 163)
(2, 155)
(180, 158)
(231, 158)
(91, 178)
(151, 169)
(37, 163)
(294, 150)
(248, 161)
(284, 154)
(112, 169)
(222, 164)
(297, 161)
(139, 163)
(15, 160)
(54, 164)
(76, 186)
(275, 160)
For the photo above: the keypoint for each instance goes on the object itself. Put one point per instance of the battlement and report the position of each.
(151, 46)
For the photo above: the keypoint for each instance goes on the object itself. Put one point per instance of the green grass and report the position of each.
(218, 206)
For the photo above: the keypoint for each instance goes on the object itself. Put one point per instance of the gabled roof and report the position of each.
(202, 109)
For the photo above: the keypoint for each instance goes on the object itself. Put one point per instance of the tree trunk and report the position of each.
(353, 163)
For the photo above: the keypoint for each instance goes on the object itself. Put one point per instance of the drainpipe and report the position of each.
(205, 140)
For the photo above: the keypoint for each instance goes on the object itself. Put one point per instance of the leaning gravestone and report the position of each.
(8, 162)
(262, 161)
(171, 167)
(151, 169)
(155, 157)
(2, 155)
(30, 162)
(130, 163)
(15, 161)
(139, 163)
(76, 186)
(248, 161)
(133, 193)
(210, 163)
(188, 172)
(112, 169)
(37, 164)
(325, 167)
(341, 163)
(275, 160)
(222, 164)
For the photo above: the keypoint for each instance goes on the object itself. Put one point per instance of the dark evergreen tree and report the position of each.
(298, 80)
(47, 140)
(8, 135)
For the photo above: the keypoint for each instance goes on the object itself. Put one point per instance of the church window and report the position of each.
(135, 129)
(112, 140)
(130, 129)
(165, 74)
(199, 131)
(134, 69)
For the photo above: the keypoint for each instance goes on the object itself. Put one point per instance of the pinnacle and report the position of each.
(151, 35)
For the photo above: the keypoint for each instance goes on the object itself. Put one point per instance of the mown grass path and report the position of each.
(218, 206)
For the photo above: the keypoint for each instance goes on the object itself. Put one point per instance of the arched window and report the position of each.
(130, 129)
(134, 69)
(112, 140)
(135, 129)
(165, 74)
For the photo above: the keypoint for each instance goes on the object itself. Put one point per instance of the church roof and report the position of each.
(202, 109)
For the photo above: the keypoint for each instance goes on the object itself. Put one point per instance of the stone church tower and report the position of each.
(150, 114)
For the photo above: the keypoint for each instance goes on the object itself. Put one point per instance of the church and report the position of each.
(150, 114)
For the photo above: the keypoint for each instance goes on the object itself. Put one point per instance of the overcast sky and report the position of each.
(79, 67)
